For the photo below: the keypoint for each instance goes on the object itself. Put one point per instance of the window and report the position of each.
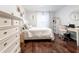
(42, 19)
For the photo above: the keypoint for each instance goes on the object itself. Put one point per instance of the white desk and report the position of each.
(77, 33)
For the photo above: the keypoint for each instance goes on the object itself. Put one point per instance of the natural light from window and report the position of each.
(42, 19)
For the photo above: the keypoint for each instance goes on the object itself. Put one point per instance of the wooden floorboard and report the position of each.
(48, 46)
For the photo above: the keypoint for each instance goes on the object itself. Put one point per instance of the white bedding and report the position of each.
(39, 33)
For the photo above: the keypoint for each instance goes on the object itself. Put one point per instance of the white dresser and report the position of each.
(9, 32)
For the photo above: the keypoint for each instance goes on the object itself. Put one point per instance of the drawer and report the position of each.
(21, 22)
(16, 22)
(16, 14)
(4, 43)
(5, 33)
(15, 30)
(14, 44)
(5, 22)
(17, 49)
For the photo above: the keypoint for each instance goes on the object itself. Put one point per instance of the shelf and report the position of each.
(7, 15)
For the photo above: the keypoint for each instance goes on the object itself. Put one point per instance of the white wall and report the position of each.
(64, 15)
(33, 20)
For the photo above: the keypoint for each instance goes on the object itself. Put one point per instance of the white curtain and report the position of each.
(42, 19)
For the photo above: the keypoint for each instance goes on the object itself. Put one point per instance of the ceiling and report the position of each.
(52, 8)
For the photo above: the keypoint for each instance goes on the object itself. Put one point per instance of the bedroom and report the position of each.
(39, 28)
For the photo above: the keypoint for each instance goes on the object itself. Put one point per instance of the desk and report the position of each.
(77, 33)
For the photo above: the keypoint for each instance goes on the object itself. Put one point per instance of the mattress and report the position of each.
(38, 33)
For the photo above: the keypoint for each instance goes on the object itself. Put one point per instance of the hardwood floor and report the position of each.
(48, 46)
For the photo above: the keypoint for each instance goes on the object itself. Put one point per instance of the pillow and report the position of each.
(26, 26)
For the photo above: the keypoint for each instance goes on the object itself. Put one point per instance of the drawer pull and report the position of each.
(16, 28)
(5, 32)
(16, 35)
(16, 42)
(16, 22)
(5, 21)
(16, 50)
(5, 44)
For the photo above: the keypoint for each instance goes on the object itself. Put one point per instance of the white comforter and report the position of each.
(39, 33)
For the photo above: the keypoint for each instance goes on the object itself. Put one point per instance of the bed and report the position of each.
(38, 33)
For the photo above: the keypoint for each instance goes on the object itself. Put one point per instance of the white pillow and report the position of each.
(27, 26)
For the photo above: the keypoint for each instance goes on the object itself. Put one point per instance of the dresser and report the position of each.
(10, 29)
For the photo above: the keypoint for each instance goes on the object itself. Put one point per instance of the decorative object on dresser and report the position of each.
(9, 32)
(56, 24)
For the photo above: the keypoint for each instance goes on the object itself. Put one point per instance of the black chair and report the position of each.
(67, 36)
